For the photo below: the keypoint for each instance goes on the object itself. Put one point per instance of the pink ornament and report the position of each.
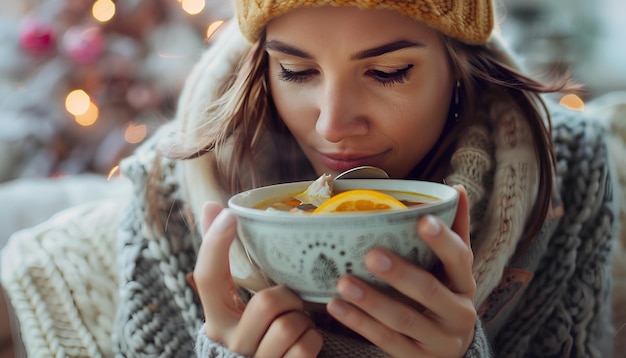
(83, 45)
(36, 37)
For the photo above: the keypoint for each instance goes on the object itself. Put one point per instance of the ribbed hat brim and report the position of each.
(470, 21)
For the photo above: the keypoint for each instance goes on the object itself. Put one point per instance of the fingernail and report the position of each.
(380, 262)
(337, 308)
(223, 220)
(431, 226)
(352, 291)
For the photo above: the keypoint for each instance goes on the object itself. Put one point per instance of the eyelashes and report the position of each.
(385, 78)
(295, 76)
(389, 78)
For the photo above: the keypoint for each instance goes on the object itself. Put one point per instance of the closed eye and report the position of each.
(385, 78)
(390, 78)
(295, 76)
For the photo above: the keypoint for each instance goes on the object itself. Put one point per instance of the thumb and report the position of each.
(221, 305)
(210, 211)
(461, 222)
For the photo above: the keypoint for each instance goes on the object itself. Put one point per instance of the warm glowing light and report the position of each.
(572, 101)
(135, 133)
(89, 117)
(193, 7)
(103, 10)
(77, 102)
(113, 171)
(213, 27)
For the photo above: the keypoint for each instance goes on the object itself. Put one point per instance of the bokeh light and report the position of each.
(213, 27)
(135, 133)
(193, 7)
(77, 102)
(573, 102)
(103, 10)
(114, 171)
(89, 117)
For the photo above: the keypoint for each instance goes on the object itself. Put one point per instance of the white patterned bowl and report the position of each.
(309, 253)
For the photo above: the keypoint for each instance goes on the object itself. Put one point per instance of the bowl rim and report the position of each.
(344, 184)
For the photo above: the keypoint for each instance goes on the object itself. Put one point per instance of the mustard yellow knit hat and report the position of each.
(470, 21)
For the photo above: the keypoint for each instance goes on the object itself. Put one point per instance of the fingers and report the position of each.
(293, 332)
(382, 310)
(461, 222)
(212, 266)
(418, 285)
(209, 213)
(272, 322)
(267, 315)
(400, 329)
(308, 345)
(396, 328)
(452, 247)
(397, 325)
(212, 272)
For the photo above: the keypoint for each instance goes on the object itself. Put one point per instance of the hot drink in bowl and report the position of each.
(307, 235)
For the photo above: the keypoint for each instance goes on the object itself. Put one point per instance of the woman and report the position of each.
(422, 90)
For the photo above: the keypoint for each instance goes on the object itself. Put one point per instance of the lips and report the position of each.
(341, 161)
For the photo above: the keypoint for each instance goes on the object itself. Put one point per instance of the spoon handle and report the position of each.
(363, 172)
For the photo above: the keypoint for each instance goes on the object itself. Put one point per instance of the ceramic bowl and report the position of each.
(310, 252)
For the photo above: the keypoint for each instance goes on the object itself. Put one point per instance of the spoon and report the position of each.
(363, 172)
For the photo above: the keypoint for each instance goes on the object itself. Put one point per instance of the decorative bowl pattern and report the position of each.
(309, 253)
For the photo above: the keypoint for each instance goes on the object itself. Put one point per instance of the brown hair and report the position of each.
(244, 119)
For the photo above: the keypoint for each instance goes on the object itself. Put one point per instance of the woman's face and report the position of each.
(359, 87)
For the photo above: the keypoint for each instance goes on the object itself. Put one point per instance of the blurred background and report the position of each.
(83, 82)
(586, 37)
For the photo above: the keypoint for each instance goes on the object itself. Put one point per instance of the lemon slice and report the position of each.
(359, 200)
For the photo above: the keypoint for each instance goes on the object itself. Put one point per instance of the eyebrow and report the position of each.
(282, 47)
(387, 48)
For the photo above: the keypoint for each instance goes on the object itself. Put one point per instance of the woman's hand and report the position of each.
(272, 324)
(446, 327)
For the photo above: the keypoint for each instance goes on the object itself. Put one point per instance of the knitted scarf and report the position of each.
(495, 161)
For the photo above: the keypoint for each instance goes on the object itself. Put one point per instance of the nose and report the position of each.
(341, 112)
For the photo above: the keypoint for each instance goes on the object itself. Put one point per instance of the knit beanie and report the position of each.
(470, 21)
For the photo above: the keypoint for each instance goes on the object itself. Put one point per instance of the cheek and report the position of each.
(294, 101)
(434, 99)
(420, 117)
(424, 108)
(416, 128)
(291, 105)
